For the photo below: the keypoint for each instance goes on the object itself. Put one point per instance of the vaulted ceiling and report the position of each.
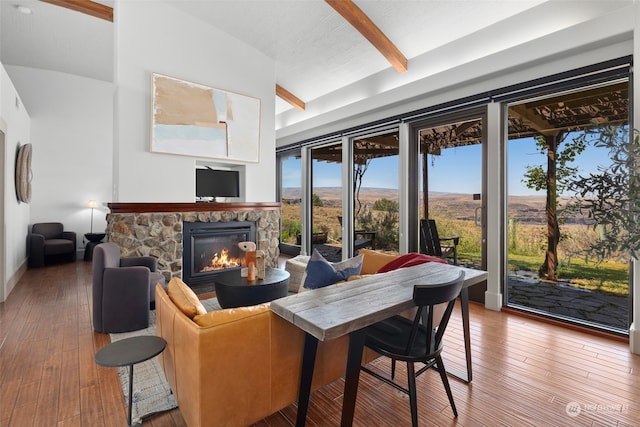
(316, 50)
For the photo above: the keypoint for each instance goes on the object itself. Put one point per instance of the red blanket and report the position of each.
(408, 260)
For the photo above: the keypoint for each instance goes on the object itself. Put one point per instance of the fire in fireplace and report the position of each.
(221, 261)
(212, 247)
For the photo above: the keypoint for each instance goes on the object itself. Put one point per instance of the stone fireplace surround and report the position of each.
(156, 228)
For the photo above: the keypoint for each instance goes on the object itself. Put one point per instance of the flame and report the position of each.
(222, 261)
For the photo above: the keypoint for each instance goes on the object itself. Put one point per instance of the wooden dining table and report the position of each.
(348, 308)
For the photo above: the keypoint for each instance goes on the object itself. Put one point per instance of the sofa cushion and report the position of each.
(321, 272)
(219, 317)
(374, 260)
(184, 298)
(58, 246)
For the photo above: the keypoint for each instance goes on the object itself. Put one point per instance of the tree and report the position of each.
(611, 196)
(553, 179)
(316, 200)
(360, 166)
(385, 205)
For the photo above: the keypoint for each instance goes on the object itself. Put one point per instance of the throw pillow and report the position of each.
(184, 298)
(321, 272)
(408, 260)
(374, 260)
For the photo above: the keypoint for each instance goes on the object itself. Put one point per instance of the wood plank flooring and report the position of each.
(526, 372)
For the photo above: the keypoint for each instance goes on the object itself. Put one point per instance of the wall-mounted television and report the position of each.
(212, 183)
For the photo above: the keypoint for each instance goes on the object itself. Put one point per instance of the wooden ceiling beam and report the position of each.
(361, 22)
(521, 112)
(86, 6)
(285, 95)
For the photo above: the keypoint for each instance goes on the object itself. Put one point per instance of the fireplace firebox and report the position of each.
(209, 248)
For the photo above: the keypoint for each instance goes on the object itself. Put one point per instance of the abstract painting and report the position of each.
(201, 121)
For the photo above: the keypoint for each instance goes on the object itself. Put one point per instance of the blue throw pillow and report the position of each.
(321, 272)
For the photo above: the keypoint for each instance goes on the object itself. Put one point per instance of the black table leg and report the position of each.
(464, 305)
(352, 376)
(130, 393)
(308, 363)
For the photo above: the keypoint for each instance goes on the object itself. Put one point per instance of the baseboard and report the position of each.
(634, 339)
(567, 325)
(493, 301)
(15, 278)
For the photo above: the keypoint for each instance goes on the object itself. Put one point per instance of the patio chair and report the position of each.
(432, 244)
(362, 238)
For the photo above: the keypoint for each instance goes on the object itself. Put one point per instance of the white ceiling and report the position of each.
(55, 38)
(315, 50)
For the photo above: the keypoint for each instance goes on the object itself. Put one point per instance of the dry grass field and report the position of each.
(455, 215)
(448, 206)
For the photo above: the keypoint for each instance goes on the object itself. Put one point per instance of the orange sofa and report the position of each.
(237, 366)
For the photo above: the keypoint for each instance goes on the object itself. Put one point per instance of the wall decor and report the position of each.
(23, 174)
(196, 120)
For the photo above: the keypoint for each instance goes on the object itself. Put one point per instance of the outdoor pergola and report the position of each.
(545, 117)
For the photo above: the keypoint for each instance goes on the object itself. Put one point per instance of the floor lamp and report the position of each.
(92, 204)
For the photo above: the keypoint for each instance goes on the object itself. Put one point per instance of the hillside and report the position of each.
(529, 209)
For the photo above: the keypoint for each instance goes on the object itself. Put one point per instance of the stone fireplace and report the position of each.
(156, 229)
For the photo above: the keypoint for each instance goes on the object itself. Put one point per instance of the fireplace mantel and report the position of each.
(156, 228)
(189, 207)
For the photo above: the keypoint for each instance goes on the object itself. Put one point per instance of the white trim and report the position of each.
(406, 147)
(634, 329)
(494, 215)
(3, 226)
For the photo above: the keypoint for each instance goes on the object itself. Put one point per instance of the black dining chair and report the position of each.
(418, 340)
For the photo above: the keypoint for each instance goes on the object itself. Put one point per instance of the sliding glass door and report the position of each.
(451, 190)
(325, 231)
(291, 202)
(376, 191)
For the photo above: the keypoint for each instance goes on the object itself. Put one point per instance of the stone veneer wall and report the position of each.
(160, 234)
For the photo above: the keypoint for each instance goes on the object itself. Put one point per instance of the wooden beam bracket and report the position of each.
(289, 97)
(85, 6)
(361, 22)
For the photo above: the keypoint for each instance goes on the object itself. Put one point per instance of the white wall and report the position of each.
(154, 37)
(15, 123)
(71, 134)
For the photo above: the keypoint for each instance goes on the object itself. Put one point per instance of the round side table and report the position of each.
(128, 352)
(93, 240)
(233, 290)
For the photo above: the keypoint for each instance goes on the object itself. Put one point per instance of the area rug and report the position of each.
(151, 392)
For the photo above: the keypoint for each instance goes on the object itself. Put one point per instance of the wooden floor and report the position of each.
(526, 372)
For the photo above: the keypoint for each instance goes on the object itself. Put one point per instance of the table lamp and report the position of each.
(93, 205)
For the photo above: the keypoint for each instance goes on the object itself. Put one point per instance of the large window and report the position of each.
(291, 201)
(520, 204)
(451, 180)
(556, 265)
(375, 191)
(326, 200)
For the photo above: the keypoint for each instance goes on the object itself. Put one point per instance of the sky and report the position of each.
(456, 170)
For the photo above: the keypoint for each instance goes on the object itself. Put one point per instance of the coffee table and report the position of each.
(128, 352)
(232, 290)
